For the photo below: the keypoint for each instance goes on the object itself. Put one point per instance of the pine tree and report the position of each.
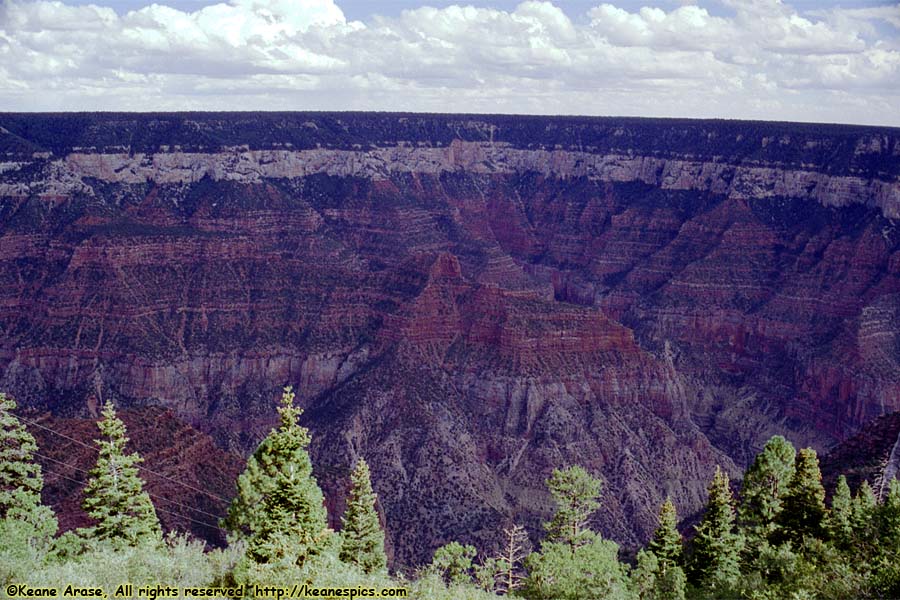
(576, 494)
(509, 564)
(765, 485)
(453, 562)
(649, 581)
(588, 571)
(114, 495)
(887, 565)
(21, 481)
(362, 540)
(863, 515)
(803, 511)
(486, 574)
(666, 541)
(889, 521)
(839, 522)
(574, 562)
(279, 507)
(716, 546)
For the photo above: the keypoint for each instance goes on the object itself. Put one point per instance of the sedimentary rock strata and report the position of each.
(468, 302)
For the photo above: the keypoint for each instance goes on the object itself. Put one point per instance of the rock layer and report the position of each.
(468, 302)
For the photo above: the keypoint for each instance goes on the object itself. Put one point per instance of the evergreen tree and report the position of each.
(21, 481)
(889, 521)
(765, 485)
(716, 546)
(487, 574)
(803, 511)
(574, 562)
(863, 516)
(839, 522)
(453, 562)
(576, 494)
(279, 506)
(27, 525)
(362, 540)
(587, 571)
(666, 541)
(114, 495)
(887, 569)
(650, 581)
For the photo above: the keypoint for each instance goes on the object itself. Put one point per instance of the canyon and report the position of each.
(467, 301)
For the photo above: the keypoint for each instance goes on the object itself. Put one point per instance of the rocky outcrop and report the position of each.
(73, 173)
(468, 302)
(189, 479)
(870, 455)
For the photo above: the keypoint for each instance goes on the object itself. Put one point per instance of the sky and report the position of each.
(797, 60)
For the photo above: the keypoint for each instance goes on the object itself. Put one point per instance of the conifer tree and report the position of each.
(114, 495)
(666, 541)
(889, 521)
(21, 481)
(765, 485)
(574, 563)
(716, 546)
(486, 574)
(279, 507)
(650, 581)
(886, 565)
(863, 517)
(803, 511)
(362, 540)
(576, 495)
(509, 563)
(453, 562)
(839, 522)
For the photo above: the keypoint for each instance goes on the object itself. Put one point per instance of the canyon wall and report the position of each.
(466, 301)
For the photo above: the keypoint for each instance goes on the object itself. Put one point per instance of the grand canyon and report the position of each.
(466, 301)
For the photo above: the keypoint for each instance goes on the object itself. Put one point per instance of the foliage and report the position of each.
(178, 561)
(362, 540)
(584, 572)
(486, 574)
(575, 493)
(803, 512)
(650, 581)
(765, 485)
(453, 562)
(114, 495)
(658, 574)
(574, 562)
(666, 541)
(716, 546)
(863, 519)
(279, 507)
(839, 522)
(21, 481)
(800, 550)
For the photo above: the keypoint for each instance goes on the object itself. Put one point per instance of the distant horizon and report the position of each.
(433, 113)
(751, 60)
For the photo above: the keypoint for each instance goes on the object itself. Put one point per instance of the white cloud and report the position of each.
(764, 61)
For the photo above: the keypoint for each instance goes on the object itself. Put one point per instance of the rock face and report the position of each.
(468, 302)
(190, 480)
(871, 455)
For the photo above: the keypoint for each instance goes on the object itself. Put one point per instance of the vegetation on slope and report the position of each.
(776, 539)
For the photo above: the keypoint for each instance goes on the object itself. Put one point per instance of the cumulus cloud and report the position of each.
(754, 59)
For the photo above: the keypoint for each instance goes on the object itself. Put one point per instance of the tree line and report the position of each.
(776, 538)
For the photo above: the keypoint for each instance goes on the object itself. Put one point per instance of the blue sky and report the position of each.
(752, 59)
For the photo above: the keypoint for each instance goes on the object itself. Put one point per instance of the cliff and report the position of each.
(467, 301)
